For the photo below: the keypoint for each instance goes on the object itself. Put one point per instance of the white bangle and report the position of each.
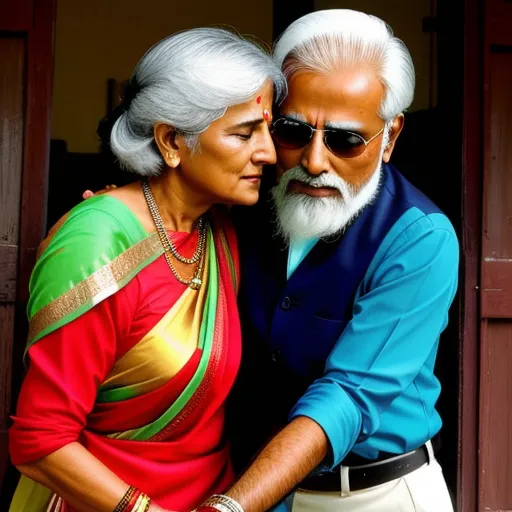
(223, 503)
(217, 506)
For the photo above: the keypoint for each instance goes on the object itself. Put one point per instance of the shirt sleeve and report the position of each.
(398, 315)
(65, 370)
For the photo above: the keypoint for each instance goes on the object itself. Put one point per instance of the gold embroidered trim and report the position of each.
(110, 277)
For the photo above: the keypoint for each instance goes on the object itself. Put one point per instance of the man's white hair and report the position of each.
(336, 39)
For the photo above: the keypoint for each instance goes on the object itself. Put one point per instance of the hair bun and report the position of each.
(106, 125)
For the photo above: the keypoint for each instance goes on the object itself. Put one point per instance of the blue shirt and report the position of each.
(298, 250)
(378, 391)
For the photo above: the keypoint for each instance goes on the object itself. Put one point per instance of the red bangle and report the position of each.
(131, 503)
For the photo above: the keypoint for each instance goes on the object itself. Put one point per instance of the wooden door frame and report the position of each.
(495, 306)
(34, 20)
(469, 328)
(36, 158)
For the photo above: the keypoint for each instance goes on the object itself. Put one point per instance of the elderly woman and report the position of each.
(134, 337)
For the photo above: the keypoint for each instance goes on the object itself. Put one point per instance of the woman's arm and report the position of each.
(79, 478)
(58, 393)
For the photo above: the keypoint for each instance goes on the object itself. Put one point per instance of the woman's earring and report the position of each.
(172, 159)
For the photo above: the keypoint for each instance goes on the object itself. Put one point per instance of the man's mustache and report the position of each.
(323, 180)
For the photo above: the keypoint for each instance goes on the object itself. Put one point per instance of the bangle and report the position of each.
(137, 503)
(125, 500)
(144, 504)
(214, 507)
(131, 506)
(133, 500)
(223, 503)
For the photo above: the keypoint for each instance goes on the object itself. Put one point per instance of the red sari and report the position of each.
(108, 378)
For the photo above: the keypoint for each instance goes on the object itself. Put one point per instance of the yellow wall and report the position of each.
(405, 18)
(101, 39)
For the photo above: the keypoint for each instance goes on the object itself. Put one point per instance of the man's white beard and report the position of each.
(301, 216)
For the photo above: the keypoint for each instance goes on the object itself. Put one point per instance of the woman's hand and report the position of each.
(79, 478)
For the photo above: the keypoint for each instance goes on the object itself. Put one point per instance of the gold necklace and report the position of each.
(198, 257)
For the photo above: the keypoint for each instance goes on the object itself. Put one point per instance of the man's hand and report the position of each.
(89, 193)
(282, 464)
(86, 195)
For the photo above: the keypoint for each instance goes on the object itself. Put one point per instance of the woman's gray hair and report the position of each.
(188, 80)
(336, 39)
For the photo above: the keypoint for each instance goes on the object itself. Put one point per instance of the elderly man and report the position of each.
(347, 279)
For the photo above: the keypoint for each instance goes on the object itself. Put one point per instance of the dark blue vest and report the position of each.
(289, 327)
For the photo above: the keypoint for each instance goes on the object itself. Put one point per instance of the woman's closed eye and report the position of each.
(244, 136)
(245, 129)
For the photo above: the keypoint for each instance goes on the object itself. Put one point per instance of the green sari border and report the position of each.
(101, 284)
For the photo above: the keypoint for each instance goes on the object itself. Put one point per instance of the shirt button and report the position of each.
(275, 356)
(286, 303)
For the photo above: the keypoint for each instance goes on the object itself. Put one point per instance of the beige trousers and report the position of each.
(423, 490)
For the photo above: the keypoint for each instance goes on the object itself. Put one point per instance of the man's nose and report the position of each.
(315, 155)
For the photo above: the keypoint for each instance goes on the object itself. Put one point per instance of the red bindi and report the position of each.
(258, 100)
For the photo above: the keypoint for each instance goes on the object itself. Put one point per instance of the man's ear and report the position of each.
(165, 137)
(394, 132)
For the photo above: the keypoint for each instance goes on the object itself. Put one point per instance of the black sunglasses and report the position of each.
(293, 134)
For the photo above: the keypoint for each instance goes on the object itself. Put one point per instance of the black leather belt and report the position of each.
(373, 473)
